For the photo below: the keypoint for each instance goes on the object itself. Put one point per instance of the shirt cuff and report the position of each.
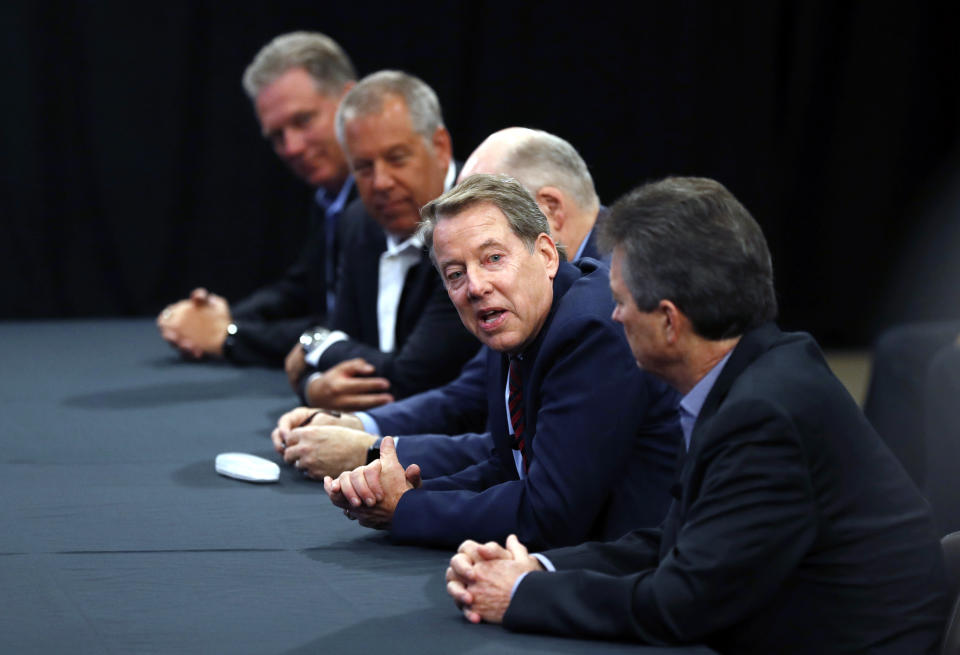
(313, 357)
(369, 424)
(547, 564)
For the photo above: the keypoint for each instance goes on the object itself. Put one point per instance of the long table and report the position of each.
(117, 535)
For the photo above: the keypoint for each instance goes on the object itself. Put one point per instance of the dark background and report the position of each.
(133, 168)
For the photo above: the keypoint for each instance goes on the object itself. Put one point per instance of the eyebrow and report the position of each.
(489, 243)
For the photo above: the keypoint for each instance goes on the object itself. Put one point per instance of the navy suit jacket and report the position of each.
(457, 407)
(271, 319)
(431, 343)
(599, 432)
(795, 530)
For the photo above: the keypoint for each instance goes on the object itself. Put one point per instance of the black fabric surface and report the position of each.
(117, 535)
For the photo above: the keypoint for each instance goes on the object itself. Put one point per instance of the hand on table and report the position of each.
(328, 450)
(347, 386)
(196, 326)
(481, 576)
(370, 493)
(295, 419)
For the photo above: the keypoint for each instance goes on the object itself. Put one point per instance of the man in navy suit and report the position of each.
(557, 177)
(564, 454)
(794, 529)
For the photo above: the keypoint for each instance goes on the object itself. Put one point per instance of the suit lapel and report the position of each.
(417, 287)
(368, 276)
(751, 345)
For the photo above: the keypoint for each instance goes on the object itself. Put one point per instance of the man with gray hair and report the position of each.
(393, 332)
(557, 177)
(295, 82)
(794, 529)
(583, 441)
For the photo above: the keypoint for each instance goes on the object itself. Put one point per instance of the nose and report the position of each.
(615, 315)
(382, 180)
(478, 283)
(293, 143)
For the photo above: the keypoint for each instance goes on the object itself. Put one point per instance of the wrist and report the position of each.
(373, 450)
(229, 340)
(311, 339)
(306, 383)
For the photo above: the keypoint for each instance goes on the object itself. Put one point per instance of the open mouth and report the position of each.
(491, 318)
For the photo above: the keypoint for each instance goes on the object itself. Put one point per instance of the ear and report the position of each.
(442, 146)
(547, 250)
(553, 205)
(675, 323)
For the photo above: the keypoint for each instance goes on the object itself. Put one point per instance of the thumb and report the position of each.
(517, 549)
(388, 450)
(412, 474)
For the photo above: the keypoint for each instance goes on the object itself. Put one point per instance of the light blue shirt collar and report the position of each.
(332, 204)
(692, 403)
(583, 246)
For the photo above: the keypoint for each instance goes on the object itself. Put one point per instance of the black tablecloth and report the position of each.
(117, 535)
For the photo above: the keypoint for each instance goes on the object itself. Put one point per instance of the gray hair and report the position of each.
(368, 96)
(544, 159)
(504, 192)
(690, 241)
(317, 53)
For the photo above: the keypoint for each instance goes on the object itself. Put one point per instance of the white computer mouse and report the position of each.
(244, 466)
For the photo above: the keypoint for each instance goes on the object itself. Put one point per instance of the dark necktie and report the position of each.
(515, 402)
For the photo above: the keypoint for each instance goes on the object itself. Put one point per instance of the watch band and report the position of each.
(311, 339)
(230, 340)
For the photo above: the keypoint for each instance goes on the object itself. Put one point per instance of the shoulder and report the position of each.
(786, 389)
(580, 322)
(583, 288)
(789, 370)
(582, 301)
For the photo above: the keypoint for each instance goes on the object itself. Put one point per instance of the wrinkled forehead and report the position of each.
(390, 120)
(476, 228)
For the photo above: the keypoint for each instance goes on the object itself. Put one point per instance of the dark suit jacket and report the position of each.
(271, 319)
(794, 531)
(592, 419)
(431, 343)
(455, 408)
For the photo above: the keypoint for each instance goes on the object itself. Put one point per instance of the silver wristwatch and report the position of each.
(312, 338)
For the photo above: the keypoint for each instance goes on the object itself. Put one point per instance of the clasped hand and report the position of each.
(481, 577)
(324, 446)
(370, 494)
(349, 385)
(196, 326)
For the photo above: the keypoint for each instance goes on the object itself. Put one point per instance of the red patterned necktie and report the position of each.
(515, 402)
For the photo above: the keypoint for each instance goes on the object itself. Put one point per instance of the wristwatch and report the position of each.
(312, 338)
(230, 340)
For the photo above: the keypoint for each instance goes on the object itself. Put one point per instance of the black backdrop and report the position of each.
(133, 169)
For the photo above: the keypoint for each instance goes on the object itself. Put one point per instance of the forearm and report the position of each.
(265, 342)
